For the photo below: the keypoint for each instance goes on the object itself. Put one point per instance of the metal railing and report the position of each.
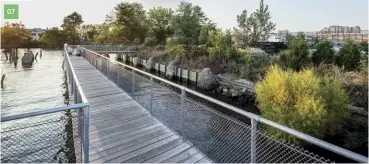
(111, 48)
(199, 119)
(51, 135)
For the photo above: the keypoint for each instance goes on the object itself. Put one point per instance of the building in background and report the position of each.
(340, 29)
(334, 33)
(36, 33)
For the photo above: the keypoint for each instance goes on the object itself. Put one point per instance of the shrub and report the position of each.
(283, 58)
(297, 55)
(324, 53)
(355, 83)
(255, 64)
(349, 55)
(364, 47)
(150, 41)
(302, 101)
(175, 40)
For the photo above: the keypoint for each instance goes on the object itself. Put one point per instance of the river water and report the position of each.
(41, 138)
(35, 88)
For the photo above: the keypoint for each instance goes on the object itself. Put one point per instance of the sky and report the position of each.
(292, 15)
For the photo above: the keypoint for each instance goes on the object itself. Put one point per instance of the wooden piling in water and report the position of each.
(2, 80)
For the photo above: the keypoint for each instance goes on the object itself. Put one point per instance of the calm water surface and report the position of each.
(30, 89)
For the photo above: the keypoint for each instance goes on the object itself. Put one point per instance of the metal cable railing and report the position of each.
(203, 121)
(57, 135)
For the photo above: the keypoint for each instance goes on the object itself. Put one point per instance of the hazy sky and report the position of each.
(293, 15)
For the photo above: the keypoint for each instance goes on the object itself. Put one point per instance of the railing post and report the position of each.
(183, 97)
(118, 75)
(70, 75)
(74, 92)
(86, 136)
(107, 68)
(254, 125)
(133, 81)
(151, 93)
(72, 83)
(79, 115)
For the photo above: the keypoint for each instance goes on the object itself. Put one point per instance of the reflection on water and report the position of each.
(35, 88)
(41, 138)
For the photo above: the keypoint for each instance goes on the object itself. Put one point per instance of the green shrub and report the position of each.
(150, 41)
(303, 101)
(283, 58)
(176, 40)
(364, 47)
(324, 53)
(297, 55)
(349, 55)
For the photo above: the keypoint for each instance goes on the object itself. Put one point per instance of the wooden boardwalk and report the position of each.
(122, 131)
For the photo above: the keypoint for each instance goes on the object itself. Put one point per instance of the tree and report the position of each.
(349, 55)
(324, 53)
(221, 44)
(205, 32)
(70, 26)
(53, 38)
(242, 35)
(15, 35)
(255, 28)
(109, 34)
(262, 24)
(159, 20)
(88, 33)
(130, 21)
(187, 23)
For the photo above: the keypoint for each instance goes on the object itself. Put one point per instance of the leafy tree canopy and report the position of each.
(159, 20)
(15, 35)
(254, 28)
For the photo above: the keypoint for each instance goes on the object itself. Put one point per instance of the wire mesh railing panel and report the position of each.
(223, 138)
(50, 138)
(220, 137)
(108, 48)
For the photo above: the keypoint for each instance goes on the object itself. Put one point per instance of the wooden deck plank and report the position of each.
(110, 148)
(168, 154)
(192, 159)
(133, 146)
(204, 160)
(181, 156)
(138, 129)
(154, 152)
(121, 130)
(144, 149)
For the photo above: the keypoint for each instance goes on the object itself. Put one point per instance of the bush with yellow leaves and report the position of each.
(303, 101)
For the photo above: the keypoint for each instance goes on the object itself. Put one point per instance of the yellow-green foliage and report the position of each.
(303, 101)
(175, 49)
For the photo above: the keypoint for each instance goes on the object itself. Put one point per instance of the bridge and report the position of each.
(121, 114)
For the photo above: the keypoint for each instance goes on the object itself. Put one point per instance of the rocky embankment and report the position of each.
(241, 90)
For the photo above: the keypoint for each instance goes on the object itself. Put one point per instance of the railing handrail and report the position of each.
(80, 90)
(305, 137)
(42, 112)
